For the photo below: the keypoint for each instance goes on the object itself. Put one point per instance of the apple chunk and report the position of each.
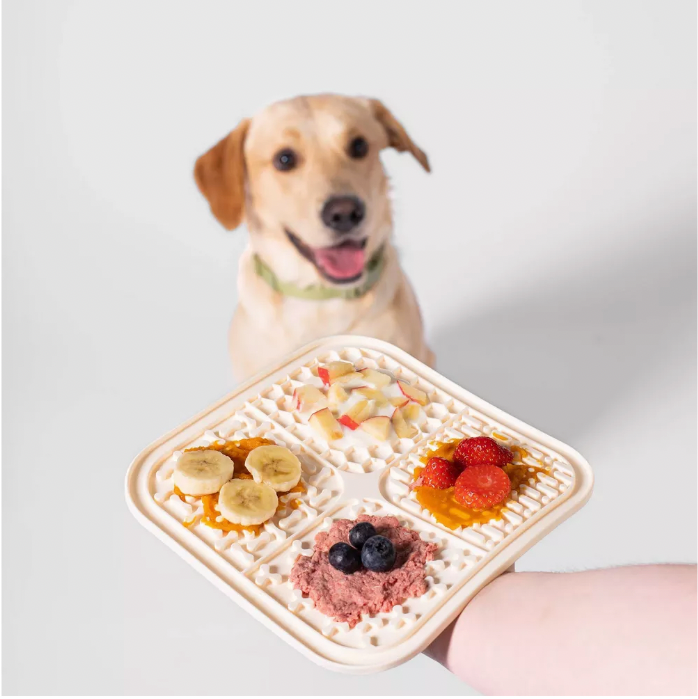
(307, 397)
(399, 401)
(336, 395)
(411, 412)
(351, 380)
(356, 414)
(402, 429)
(378, 427)
(334, 370)
(373, 394)
(325, 424)
(413, 393)
(376, 379)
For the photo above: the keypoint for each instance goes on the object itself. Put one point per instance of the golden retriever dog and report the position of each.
(306, 177)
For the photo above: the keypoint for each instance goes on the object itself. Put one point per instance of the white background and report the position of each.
(552, 249)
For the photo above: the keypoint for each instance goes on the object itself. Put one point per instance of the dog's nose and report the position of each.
(343, 214)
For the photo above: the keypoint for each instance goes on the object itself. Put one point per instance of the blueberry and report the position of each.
(344, 558)
(361, 533)
(378, 554)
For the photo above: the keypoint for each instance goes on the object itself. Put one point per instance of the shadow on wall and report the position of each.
(559, 354)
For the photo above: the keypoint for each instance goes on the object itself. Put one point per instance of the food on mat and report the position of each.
(344, 558)
(378, 427)
(361, 397)
(402, 429)
(336, 395)
(309, 398)
(440, 473)
(410, 411)
(482, 486)
(202, 472)
(375, 379)
(481, 450)
(325, 424)
(378, 397)
(247, 502)
(356, 414)
(413, 393)
(345, 597)
(367, 549)
(478, 499)
(361, 533)
(276, 466)
(399, 401)
(334, 370)
(352, 380)
(237, 453)
(378, 554)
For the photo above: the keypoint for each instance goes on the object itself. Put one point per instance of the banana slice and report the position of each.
(202, 472)
(247, 502)
(274, 465)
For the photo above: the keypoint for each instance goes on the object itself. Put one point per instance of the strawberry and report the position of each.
(439, 473)
(481, 450)
(482, 486)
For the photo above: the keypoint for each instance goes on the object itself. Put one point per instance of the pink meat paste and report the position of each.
(347, 597)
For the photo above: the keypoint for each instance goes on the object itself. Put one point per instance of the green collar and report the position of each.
(317, 292)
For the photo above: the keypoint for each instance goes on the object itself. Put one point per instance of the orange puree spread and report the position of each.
(238, 452)
(443, 505)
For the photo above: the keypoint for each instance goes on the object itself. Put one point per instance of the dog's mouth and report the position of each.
(340, 264)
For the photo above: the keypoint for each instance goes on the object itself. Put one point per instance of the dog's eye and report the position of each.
(285, 160)
(358, 148)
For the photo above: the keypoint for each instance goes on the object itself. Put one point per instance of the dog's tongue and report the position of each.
(342, 262)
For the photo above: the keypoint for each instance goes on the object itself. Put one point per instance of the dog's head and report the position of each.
(307, 176)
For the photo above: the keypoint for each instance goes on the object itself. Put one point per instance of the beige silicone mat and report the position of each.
(352, 476)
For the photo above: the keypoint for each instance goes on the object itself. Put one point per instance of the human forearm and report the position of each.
(618, 631)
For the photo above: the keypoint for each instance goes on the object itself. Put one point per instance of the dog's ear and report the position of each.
(220, 175)
(398, 138)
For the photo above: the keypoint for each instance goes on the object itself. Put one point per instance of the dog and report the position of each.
(306, 177)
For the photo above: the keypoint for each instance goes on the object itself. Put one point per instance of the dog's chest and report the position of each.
(330, 317)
